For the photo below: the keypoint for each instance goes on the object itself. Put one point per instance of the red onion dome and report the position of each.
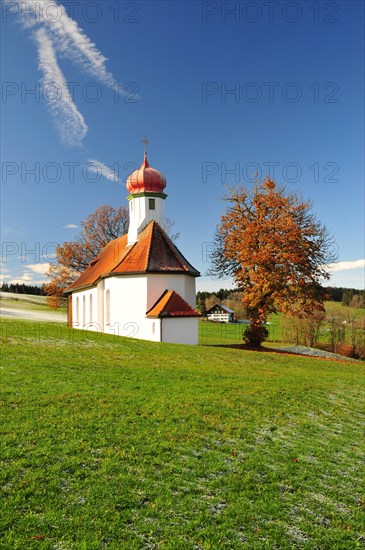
(146, 180)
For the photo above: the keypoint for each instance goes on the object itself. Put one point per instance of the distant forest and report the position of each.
(22, 289)
(337, 294)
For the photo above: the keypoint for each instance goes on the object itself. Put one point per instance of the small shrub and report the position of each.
(254, 336)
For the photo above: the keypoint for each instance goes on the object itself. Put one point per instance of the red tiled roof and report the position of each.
(154, 252)
(171, 304)
(105, 262)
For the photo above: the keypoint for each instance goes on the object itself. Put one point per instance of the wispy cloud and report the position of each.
(68, 120)
(40, 269)
(68, 38)
(3, 273)
(58, 34)
(100, 168)
(70, 226)
(27, 279)
(49, 256)
(344, 266)
(27, 274)
(32, 275)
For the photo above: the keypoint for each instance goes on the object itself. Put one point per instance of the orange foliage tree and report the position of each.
(277, 252)
(72, 258)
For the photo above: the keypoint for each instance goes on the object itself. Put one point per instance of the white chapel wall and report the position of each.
(85, 310)
(183, 284)
(180, 331)
(128, 297)
(140, 215)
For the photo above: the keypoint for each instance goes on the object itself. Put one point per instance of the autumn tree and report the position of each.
(357, 301)
(336, 326)
(72, 258)
(303, 330)
(356, 333)
(234, 302)
(211, 301)
(276, 251)
(200, 306)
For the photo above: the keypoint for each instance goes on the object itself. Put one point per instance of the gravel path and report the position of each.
(303, 350)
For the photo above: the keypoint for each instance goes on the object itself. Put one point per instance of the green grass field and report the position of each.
(231, 333)
(214, 333)
(29, 298)
(116, 443)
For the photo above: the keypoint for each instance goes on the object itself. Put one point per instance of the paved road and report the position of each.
(30, 315)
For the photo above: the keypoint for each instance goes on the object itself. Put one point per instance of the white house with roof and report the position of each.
(140, 285)
(221, 313)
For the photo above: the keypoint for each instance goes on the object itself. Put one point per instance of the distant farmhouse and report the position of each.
(221, 313)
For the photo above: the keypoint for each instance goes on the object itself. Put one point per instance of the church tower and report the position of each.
(146, 199)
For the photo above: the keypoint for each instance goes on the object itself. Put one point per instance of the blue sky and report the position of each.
(221, 89)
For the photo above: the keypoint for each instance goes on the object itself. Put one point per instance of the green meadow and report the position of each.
(232, 333)
(115, 443)
(27, 302)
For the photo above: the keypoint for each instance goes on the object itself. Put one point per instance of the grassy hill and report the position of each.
(116, 443)
(29, 298)
(26, 302)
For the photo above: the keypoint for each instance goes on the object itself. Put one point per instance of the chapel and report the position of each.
(140, 285)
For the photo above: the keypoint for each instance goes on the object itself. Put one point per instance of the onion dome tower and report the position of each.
(146, 199)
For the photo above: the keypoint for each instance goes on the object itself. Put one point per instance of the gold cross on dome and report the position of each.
(145, 142)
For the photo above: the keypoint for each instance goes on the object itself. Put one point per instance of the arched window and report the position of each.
(91, 309)
(153, 327)
(77, 310)
(107, 307)
(84, 310)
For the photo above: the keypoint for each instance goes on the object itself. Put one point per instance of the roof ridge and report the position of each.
(159, 299)
(172, 304)
(153, 252)
(153, 222)
(124, 257)
(172, 247)
(172, 292)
